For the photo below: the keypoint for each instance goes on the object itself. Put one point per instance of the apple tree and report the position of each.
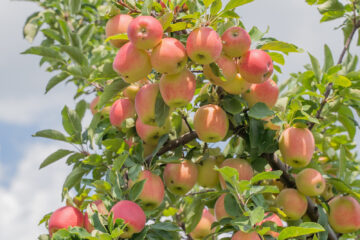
(192, 136)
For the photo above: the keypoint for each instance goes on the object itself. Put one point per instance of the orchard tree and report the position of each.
(192, 136)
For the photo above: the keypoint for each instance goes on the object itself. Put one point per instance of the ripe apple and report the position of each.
(180, 177)
(203, 45)
(100, 208)
(208, 177)
(228, 68)
(292, 203)
(245, 236)
(344, 214)
(121, 109)
(297, 146)
(243, 167)
(211, 123)
(169, 57)
(255, 66)
(220, 211)
(117, 25)
(65, 217)
(310, 182)
(131, 91)
(145, 32)
(203, 228)
(145, 101)
(151, 134)
(153, 192)
(236, 86)
(131, 63)
(177, 90)
(236, 42)
(266, 92)
(133, 216)
(272, 218)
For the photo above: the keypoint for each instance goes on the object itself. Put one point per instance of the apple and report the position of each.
(236, 42)
(180, 178)
(117, 25)
(177, 90)
(145, 102)
(93, 104)
(203, 228)
(100, 208)
(255, 66)
(203, 45)
(211, 123)
(228, 68)
(310, 182)
(266, 92)
(328, 192)
(131, 63)
(292, 203)
(297, 146)
(236, 86)
(208, 177)
(245, 236)
(153, 192)
(243, 167)
(148, 149)
(133, 216)
(219, 209)
(131, 91)
(272, 218)
(65, 217)
(121, 110)
(169, 57)
(151, 134)
(145, 32)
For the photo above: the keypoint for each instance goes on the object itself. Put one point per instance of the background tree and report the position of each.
(313, 120)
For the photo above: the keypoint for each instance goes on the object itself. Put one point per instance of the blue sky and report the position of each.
(27, 193)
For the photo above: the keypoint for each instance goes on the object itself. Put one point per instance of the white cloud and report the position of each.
(32, 193)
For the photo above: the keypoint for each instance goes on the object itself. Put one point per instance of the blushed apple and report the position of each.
(151, 134)
(145, 102)
(292, 203)
(245, 236)
(208, 177)
(65, 217)
(272, 218)
(266, 92)
(310, 182)
(117, 25)
(121, 109)
(228, 68)
(236, 41)
(203, 228)
(256, 66)
(242, 166)
(219, 209)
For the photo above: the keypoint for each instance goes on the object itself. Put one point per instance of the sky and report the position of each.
(27, 193)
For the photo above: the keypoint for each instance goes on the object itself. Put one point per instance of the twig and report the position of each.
(97, 86)
(186, 121)
(201, 192)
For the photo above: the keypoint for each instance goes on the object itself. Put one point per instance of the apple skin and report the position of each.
(297, 146)
(273, 218)
(310, 182)
(133, 216)
(227, 67)
(145, 101)
(243, 167)
(255, 66)
(292, 203)
(151, 134)
(131, 63)
(169, 57)
(153, 192)
(117, 25)
(219, 209)
(180, 178)
(211, 123)
(236, 86)
(120, 110)
(177, 90)
(100, 208)
(208, 177)
(245, 236)
(344, 214)
(145, 32)
(266, 92)
(203, 228)
(65, 217)
(236, 42)
(131, 91)
(203, 45)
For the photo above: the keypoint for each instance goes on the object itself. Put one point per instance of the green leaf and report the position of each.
(229, 174)
(342, 187)
(193, 214)
(102, 186)
(256, 34)
(44, 52)
(303, 229)
(207, 3)
(86, 32)
(316, 67)
(330, 5)
(179, 26)
(342, 163)
(74, 177)
(53, 34)
(55, 80)
(32, 26)
(329, 60)
(111, 91)
(257, 215)
(75, 54)
(166, 20)
(281, 47)
(235, 3)
(75, 6)
(347, 119)
(119, 162)
(277, 57)
(231, 206)
(64, 28)
(161, 110)
(136, 189)
(59, 154)
(266, 176)
(71, 122)
(121, 36)
(81, 108)
(51, 134)
(165, 226)
(260, 111)
(146, 7)
(215, 7)
(340, 80)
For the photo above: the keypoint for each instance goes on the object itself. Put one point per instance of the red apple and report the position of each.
(145, 32)
(292, 203)
(151, 134)
(121, 109)
(266, 92)
(272, 218)
(228, 68)
(236, 42)
(255, 66)
(203, 228)
(245, 236)
(145, 101)
(65, 217)
(220, 211)
(243, 167)
(117, 25)
(100, 208)
(310, 182)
